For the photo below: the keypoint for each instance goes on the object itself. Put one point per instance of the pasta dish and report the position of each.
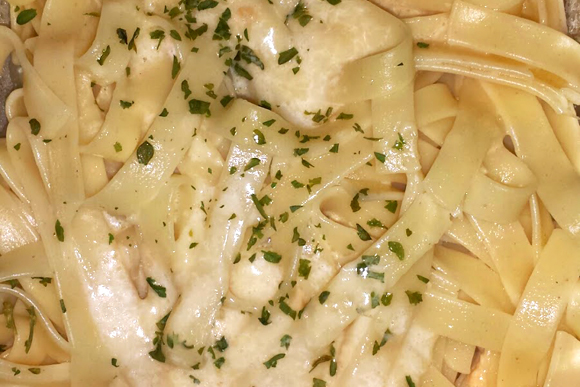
(290, 193)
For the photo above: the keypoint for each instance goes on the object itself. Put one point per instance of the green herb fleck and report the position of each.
(362, 233)
(273, 362)
(304, 268)
(414, 297)
(105, 54)
(25, 16)
(271, 256)
(287, 55)
(145, 153)
(323, 296)
(59, 231)
(392, 206)
(126, 104)
(34, 126)
(397, 248)
(199, 107)
(160, 290)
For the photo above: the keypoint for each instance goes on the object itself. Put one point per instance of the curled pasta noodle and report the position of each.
(290, 193)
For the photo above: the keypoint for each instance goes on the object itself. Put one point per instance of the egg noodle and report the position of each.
(290, 193)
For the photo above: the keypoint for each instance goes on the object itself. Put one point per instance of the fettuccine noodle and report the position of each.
(290, 193)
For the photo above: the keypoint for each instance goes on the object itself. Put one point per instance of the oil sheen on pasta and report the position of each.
(290, 193)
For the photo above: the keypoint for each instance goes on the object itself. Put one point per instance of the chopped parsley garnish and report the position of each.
(8, 311)
(345, 116)
(370, 260)
(381, 157)
(34, 126)
(157, 353)
(422, 279)
(164, 113)
(126, 104)
(131, 45)
(259, 206)
(414, 297)
(374, 300)
(206, 4)
(158, 35)
(265, 318)
(59, 231)
(285, 341)
(114, 363)
(25, 16)
(185, 89)
(62, 306)
(44, 281)
(392, 206)
(400, 143)
(221, 345)
(35, 371)
(265, 105)
(118, 147)
(408, 232)
(145, 153)
(249, 56)
(252, 163)
(226, 100)
(374, 222)
(17, 146)
(409, 380)
(334, 2)
(296, 184)
(104, 55)
(301, 14)
(175, 35)
(422, 45)
(318, 382)
(28, 342)
(386, 299)
(296, 238)
(377, 346)
(362, 268)
(354, 204)
(199, 107)
(295, 208)
(323, 296)
(259, 137)
(222, 30)
(175, 68)
(304, 268)
(269, 123)
(122, 34)
(286, 309)
(273, 362)
(219, 363)
(362, 233)
(242, 72)
(160, 290)
(334, 148)
(286, 56)
(300, 151)
(271, 256)
(397, 248)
